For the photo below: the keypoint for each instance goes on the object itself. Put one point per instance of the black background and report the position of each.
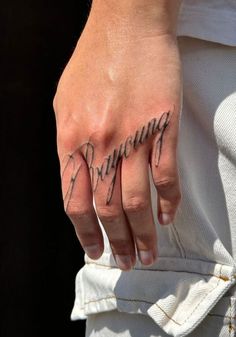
(39, 252)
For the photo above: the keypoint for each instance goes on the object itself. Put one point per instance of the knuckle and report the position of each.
(169, 189)
(108, 213)
(68, 138)
(165, 183)
(76, 212)
(135, 204)
(103, 135)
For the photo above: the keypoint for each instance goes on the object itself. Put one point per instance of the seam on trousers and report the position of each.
(87, 259)
(178, 241)
(231, 326)
(220, 316)
(203, 298)
(129, 300)
(222, 277)
(169, 317)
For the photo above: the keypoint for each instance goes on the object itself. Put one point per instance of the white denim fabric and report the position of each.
(193, 278)
(114, 323)
(210, 20)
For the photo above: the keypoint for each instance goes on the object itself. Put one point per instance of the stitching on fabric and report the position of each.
(219, 316)
(205, 296)
(129, 300)
(165, 270)
(177, 237)
(116, 298)
(171, 318)
(193, 260)
(158, 306)
(147, 302)
(119, 298)
(99, 300)
(199, 302)
(230, 322)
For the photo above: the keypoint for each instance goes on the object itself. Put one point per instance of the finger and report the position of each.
(78, 203)
(165, 172)
(107, 194)
(137, 204)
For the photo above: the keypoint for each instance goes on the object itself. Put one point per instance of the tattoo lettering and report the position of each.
(75, 171)
(110, 163)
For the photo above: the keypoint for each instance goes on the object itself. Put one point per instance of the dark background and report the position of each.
(39, 252)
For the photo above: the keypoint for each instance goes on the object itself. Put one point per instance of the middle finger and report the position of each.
(107, 196)
(136, 198)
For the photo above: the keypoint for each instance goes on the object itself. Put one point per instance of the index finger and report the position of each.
(78, 203)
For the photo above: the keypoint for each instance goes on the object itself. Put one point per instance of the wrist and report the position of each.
(160, 15)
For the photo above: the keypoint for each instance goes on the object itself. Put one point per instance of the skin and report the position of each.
(117, 109)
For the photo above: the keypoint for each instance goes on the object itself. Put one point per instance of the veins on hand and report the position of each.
(111, 161)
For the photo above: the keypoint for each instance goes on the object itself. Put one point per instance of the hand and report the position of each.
(117, 112)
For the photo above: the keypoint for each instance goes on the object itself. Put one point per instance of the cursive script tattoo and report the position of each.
(111, 161)
(73, 178)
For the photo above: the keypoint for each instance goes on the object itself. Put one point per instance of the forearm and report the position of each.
(161, 14)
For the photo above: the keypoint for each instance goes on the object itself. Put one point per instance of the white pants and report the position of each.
(204, 232)
(114, 323)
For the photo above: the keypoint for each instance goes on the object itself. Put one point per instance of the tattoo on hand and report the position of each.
(111, 162)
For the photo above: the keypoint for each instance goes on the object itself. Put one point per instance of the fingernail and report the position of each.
(146, 257)
(165, 219)
(124, 262)
(93, 251)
